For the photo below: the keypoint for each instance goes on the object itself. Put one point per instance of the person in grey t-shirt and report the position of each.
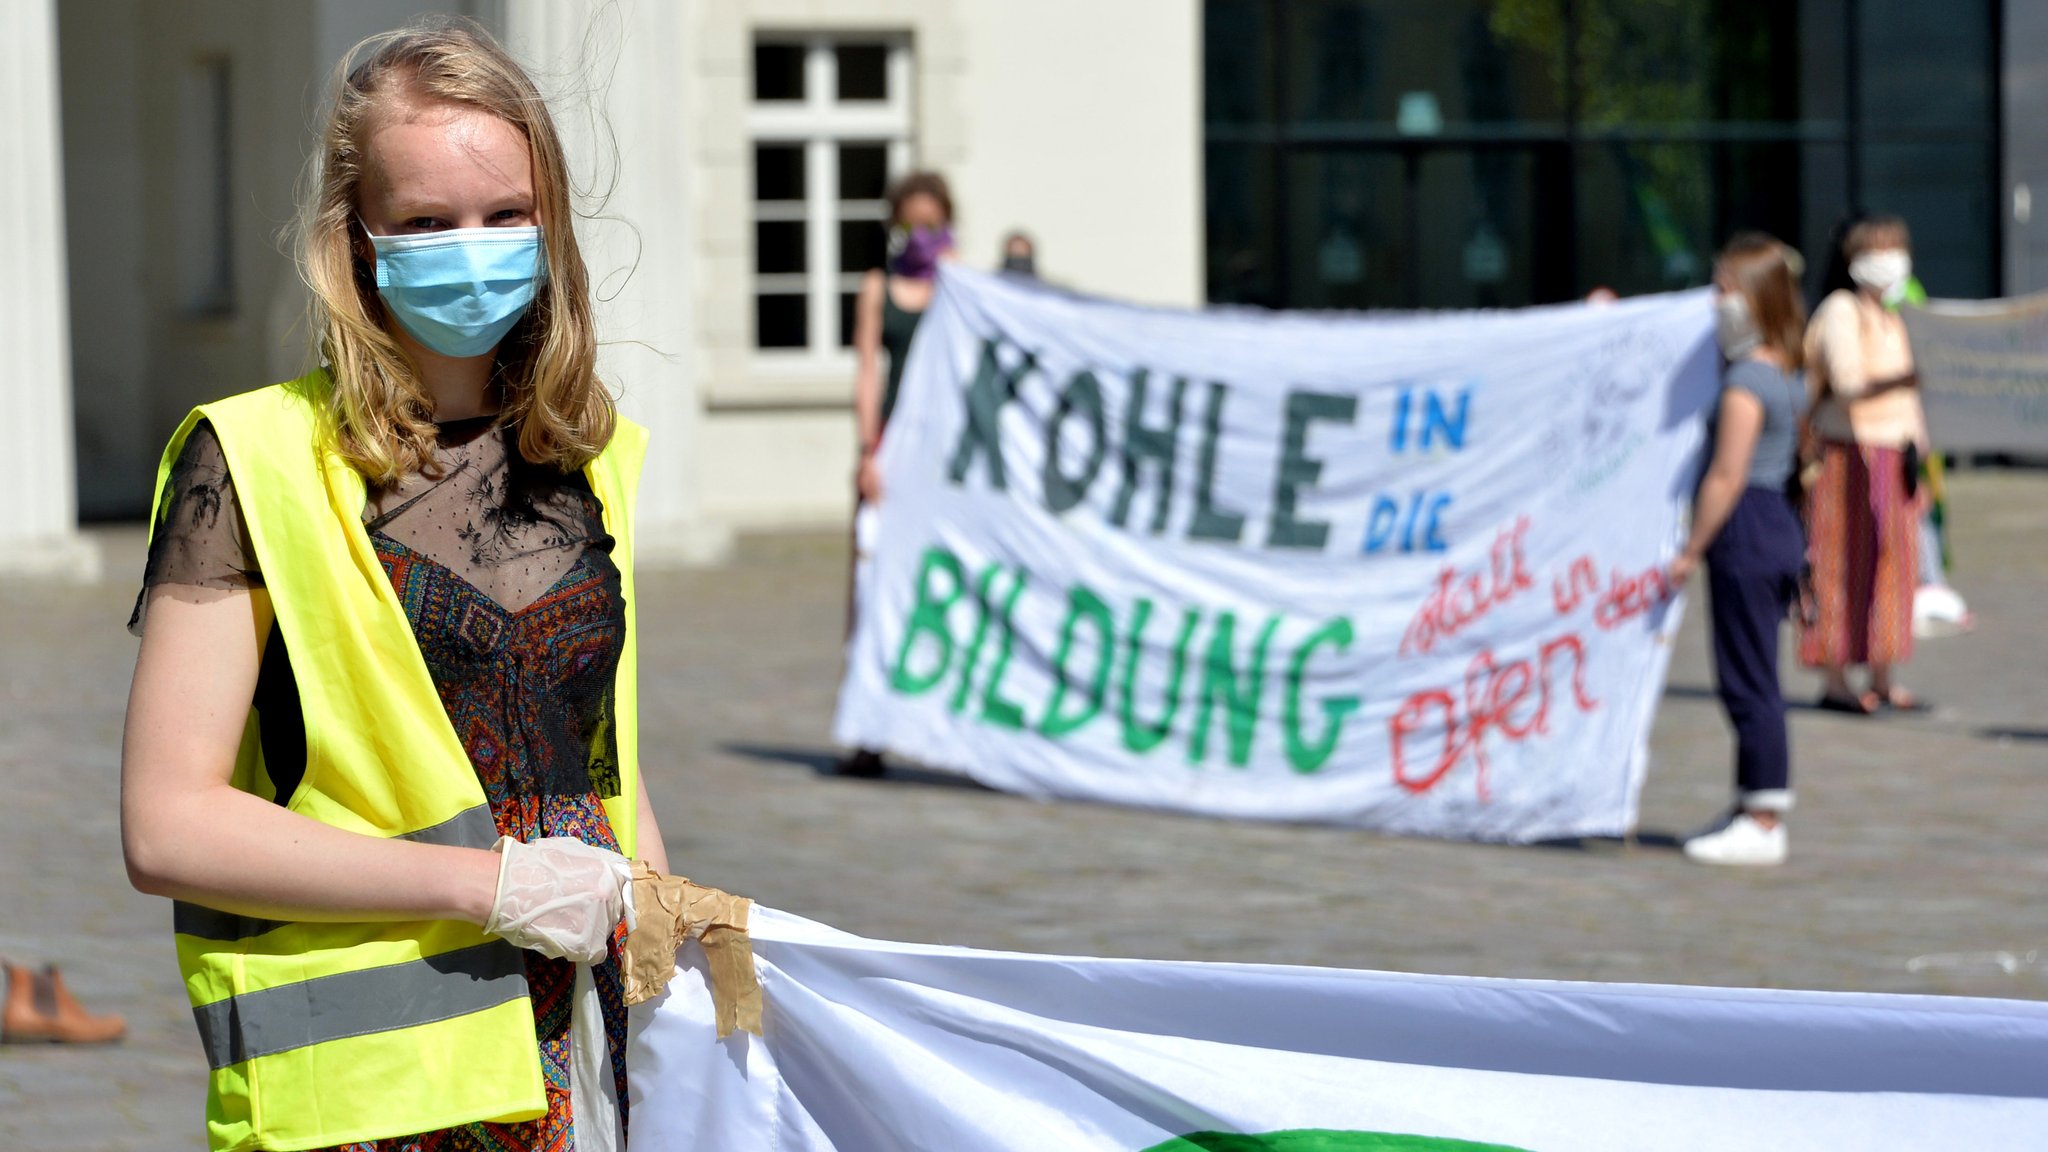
(1744, 527)
(1782, 392)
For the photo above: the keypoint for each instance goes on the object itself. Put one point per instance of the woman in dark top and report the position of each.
(1745, 528)
(891, 302)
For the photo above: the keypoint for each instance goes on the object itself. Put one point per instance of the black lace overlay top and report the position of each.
(505, 572)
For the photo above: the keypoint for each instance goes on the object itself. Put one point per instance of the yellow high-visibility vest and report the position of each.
(322, 1034)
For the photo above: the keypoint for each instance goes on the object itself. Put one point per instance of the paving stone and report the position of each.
(1917, 854)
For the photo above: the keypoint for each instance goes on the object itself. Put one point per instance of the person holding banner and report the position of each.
(892, 300)
(381, 747)
(1867, 435)
(1746, 530)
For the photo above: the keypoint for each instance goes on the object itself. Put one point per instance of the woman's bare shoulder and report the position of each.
(1840, 302)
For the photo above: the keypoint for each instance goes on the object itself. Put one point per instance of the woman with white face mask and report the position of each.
(1863, 501)
(381, 747)
(1747, 532)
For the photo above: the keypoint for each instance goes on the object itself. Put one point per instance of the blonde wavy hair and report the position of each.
(381, 413)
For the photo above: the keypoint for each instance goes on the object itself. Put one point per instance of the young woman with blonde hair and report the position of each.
(1746, 531)
(381, 745)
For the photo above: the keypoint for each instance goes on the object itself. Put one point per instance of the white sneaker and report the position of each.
(1742, 841)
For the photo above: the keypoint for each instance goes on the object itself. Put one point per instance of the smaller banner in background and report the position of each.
(1401, 572)
(878, 1045)
(1984, 373)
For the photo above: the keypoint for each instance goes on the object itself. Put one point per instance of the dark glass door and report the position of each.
(1427, 224)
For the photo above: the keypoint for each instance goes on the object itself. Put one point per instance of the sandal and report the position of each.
(1864, 705)
(1900, 700)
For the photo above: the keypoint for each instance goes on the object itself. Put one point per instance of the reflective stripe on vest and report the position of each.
(333, 1033)
(345, 1004)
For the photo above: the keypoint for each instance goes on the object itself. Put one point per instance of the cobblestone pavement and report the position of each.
(1914, 837)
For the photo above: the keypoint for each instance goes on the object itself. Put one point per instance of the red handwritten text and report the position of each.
(1628, 597)
(1461, 599)
(1623, 599)
(1496, 698)
(1568, 591)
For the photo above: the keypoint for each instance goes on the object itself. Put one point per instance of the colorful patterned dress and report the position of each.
(505, 573)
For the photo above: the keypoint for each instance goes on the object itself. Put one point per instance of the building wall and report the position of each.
(99, 48)
(144, 352)
(1086, 131)
(1080, 123)
(778, 443)
(1077, 122)
(622, 103)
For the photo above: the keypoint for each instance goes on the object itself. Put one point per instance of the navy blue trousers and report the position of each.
(1753, 579)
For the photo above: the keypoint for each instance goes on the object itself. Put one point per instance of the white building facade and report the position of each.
(149, 152)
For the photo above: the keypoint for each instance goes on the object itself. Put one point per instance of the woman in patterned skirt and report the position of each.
(1863, 506)
(470, 412)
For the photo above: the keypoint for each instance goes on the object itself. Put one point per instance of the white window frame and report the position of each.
(820, 122)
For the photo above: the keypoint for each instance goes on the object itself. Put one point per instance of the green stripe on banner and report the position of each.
(1321, 1140)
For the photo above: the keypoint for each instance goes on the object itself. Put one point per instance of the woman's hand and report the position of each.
(1737, 429)
(559, 897)
(1682, 567)
(868, 479)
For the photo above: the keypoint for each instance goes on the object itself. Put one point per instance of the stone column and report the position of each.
(617, 84)
(39, 514)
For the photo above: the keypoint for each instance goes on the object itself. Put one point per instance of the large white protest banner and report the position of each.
(873, 1046)
(1984, 373)
(1403, 573)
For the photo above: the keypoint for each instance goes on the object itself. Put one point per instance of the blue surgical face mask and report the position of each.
(458, 292)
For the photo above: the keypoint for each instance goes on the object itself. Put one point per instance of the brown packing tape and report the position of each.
(669, 910)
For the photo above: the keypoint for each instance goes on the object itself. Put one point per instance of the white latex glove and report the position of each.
(559, 896)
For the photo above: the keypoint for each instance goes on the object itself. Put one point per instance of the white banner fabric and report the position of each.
(1984, 373)
(881, 1046)
(1399, 572)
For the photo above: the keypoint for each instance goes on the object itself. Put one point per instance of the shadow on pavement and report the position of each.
(1649, 840)
(2029, 735)
(1703, 692)
(822, 761)
(1690, 692)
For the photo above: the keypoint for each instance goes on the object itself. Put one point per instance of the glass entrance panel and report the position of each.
(1426, 225)
(1652, 216)
(1423, 67)
(1479, 227)
(1346, 213)
(1238, 182)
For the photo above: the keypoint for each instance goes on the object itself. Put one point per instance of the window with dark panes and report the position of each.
(1480, 153)
(778, 71)
(830, 125)
(863, 71)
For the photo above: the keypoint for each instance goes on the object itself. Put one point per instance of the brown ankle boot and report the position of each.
(23, 1021)
(29, 1009)
(41, 1010)
(71, 1023)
